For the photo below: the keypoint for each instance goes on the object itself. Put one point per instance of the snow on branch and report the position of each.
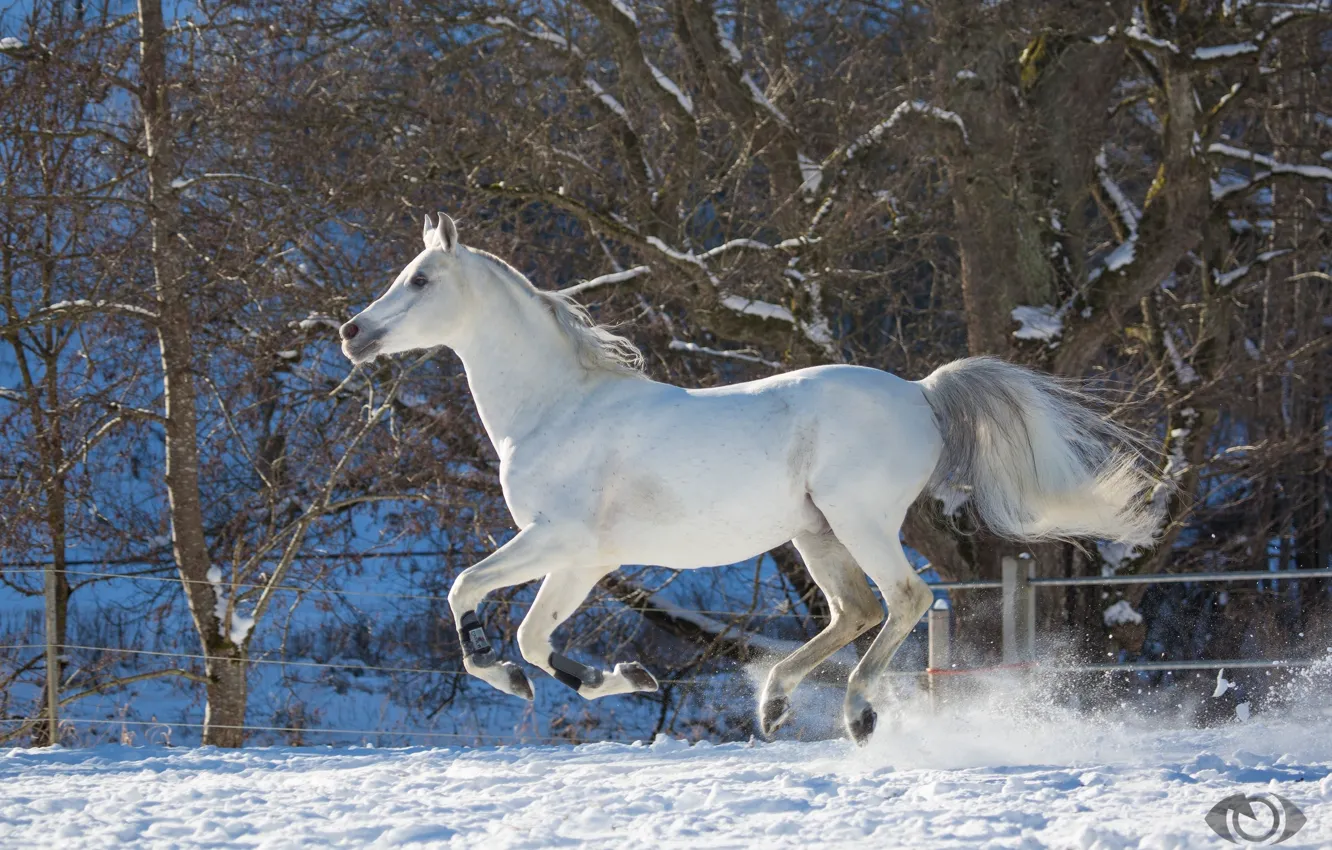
(16, 49)
(1274, 168)
(757, 95)
(755, 245)
(237, 628)
(1136, 35)
(681, 256)
(700, 260)
(906, 107)
(606, 98)
(605, 279)
(692, 348)
(733, 54)
(795, 242)
(1043, 323)
(186, 182)
(1227, 278)
(671, 88)
(817, 330)
(811, 174)
(1224, 51)
(752, 244)
(98, 307)
(317, 320)
(1186, 373)
(545, 34)
(624, 9)
(1123, 255)
(761, 309)
(1128, 213)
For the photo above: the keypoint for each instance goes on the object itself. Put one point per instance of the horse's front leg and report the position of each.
(532, 553)
(560, 595)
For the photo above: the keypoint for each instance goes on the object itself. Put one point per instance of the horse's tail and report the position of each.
(1035, 461)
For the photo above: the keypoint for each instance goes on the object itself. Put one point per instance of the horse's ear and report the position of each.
(427, 233)
(448, 233)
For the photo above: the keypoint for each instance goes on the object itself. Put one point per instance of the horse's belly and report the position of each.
(686, 530)
(693, 548)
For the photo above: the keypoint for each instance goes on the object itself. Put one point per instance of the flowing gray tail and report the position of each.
(1034, 460)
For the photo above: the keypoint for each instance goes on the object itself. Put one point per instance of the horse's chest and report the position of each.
(540, 483)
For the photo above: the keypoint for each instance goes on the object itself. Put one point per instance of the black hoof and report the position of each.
(862, 727)
(639, 677)
(519, 684)
(773, 714)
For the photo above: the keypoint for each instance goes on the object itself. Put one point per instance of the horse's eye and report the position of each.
(420, 282)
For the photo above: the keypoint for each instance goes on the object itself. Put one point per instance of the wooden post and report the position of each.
(1019, 610)
(53, 651)
(941, 648)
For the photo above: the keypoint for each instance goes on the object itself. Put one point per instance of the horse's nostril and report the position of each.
(350, 330)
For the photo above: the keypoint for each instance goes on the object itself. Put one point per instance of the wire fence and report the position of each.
(257, 657)
(383, 594)
(1149, 578)
(326, 665)
(1018, 585)
(308, 730)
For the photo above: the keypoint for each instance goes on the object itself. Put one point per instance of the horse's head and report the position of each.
(423, 306)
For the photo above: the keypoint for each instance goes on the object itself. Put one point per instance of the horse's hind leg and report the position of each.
(872, 539)
(854, 610)
(560, 595)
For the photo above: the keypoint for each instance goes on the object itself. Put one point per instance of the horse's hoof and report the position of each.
(862, 727)
(773, 714)
(519, 685)
(637, 675)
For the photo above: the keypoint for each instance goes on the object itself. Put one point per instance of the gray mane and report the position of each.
(597, 347)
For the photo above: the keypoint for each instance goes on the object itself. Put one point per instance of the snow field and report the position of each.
(995, 769)
(666, 794)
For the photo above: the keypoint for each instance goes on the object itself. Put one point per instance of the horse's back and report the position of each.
(847, 406)
(833, 383)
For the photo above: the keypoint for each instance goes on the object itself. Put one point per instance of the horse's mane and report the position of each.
(597, 346)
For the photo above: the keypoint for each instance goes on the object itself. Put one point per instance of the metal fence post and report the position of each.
(1019, 610)
(941, 647)
(1027, 609)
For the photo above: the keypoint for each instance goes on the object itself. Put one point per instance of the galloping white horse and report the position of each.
(602, 467)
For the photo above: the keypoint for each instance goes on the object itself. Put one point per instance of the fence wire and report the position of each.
(468, 736)
(1122, 667)
(330, 665)
(383, 594)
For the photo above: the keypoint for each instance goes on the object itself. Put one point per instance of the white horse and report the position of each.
(602, 467)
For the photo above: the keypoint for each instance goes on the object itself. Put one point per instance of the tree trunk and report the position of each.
(57, 590)
(226, 691)
(224, 715)
(49, 423)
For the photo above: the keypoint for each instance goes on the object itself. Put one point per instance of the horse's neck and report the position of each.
(519, 363)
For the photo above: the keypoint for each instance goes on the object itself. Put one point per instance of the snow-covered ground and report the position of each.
(999, 770)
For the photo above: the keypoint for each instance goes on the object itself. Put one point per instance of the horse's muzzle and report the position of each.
(363, 348)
